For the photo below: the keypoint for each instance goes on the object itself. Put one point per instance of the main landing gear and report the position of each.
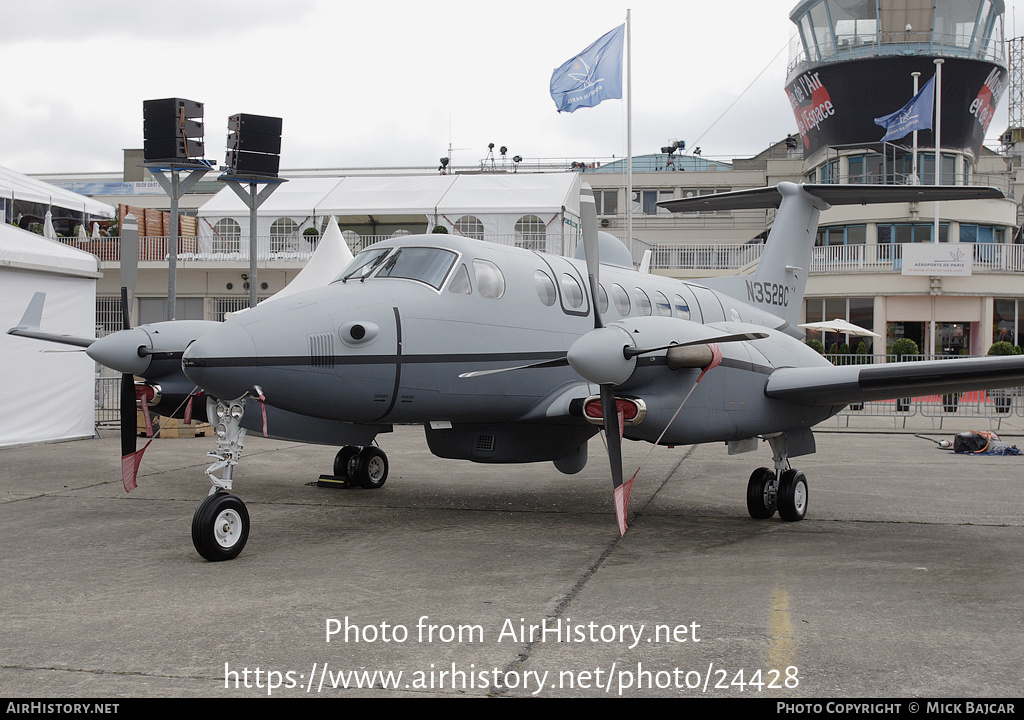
(366, 467)
(783, 489)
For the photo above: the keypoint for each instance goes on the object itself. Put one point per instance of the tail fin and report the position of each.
(781, 278)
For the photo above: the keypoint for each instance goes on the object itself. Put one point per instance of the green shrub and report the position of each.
(1003, 348)
(903, 346)
(816, 345)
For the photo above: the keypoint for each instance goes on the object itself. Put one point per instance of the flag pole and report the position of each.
(913, 165)
(938, 138)
(629, 136)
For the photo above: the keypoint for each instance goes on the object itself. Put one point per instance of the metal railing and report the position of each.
(705, 257)
(856, 258)
(887, 257)
(275, 249)
(902, 43)
(283, 249)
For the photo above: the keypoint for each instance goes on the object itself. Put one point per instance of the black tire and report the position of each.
(343, 461)
(759, 505)
(220, 527)
(370, 469)
(792, 496)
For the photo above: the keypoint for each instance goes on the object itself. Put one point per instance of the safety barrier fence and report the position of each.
(992, 406)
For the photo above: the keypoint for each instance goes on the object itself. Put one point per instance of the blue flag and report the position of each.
(591, 76)
(915, 115)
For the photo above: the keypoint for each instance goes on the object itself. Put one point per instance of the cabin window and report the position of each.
(545, 287)
(662, 305)
(602, 299)
(571, 291)
(426, 265)
(489, 281)
(643, 303)
(460, 282)
(621, 299)
(681, 308)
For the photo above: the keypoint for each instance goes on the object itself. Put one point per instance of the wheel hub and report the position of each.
(228, 528)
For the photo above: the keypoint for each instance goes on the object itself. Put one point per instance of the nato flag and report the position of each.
(915, 115)
(591, 76)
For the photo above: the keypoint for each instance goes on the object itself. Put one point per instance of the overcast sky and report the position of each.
(390, 83)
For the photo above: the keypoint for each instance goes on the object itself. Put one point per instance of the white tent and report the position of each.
(47, 395)
(498, 201)
(15, 186)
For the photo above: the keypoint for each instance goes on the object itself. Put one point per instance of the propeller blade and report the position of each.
(557, 362)
(129, 459)
(129, 260)
(591, 247)
(612, 431)
(631, 352)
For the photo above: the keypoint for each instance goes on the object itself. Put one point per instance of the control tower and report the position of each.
(854, 60)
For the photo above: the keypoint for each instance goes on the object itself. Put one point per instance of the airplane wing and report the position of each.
(845, 384)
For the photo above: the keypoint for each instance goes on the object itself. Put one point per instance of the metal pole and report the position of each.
(938, 173)
(253, 284)
(629, 136)
(913, 164)
(172, 247)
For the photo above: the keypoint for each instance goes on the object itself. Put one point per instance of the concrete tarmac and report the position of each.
(906, 579)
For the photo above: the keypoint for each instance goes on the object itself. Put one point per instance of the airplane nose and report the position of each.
(221, 361)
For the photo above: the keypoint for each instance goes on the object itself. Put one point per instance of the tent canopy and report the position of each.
(25, 251)
(15, 186)
(369, 199)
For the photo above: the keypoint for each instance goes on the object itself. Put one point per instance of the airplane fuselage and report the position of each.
(389, 347)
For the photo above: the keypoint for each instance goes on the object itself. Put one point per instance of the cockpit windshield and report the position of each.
(363, 264)
(424, 264)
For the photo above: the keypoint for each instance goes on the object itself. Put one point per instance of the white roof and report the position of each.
(22, 250)
(21, 187)
(409, 195)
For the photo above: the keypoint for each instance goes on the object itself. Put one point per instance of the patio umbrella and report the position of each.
(840, 326)
(48, 231)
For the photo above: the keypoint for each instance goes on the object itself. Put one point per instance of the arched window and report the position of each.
(353, 240)
(530, 233)
(470, 226)
(227, 236)
(282, 235)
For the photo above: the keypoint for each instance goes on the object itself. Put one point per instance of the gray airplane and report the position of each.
(507, 355)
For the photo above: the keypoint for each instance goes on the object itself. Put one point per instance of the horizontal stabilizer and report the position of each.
(33, 318)
(862, 383)
(852, 194)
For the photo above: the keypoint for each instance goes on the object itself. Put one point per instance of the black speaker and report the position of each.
(172, 130)
(254, 144)
(249, 163)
